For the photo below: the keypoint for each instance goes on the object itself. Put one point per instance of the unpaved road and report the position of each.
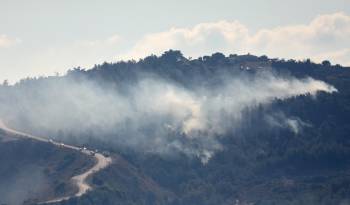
(80, 180)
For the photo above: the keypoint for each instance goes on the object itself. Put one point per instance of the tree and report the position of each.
(172, 56)
(326, 63)
(217, 57)
(307, 61)
(263, 58)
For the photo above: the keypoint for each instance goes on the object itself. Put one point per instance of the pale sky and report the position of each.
(41, 37)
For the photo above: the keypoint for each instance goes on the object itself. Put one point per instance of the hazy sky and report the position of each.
(41, 37)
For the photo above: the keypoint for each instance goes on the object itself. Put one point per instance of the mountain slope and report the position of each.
(293, 149)
(34, 171)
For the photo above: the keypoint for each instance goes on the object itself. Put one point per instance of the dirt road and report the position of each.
(80, 180)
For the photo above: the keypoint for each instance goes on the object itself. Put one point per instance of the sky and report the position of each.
(44, 37)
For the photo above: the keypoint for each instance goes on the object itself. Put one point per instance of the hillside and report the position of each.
(33, 171)
(211, 130)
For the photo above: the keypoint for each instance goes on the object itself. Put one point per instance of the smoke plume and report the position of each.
(152, 114)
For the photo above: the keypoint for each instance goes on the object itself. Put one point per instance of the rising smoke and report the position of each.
(153, 114)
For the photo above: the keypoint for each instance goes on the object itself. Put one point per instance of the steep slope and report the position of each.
(123, 184)
(33, 171)
(50, 173)
(79, 181)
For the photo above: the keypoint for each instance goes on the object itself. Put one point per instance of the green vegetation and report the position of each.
(259, 164)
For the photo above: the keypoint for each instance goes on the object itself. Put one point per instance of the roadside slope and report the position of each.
(80, 180)
(33, 171)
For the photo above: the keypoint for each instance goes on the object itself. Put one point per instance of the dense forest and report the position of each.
(292, 150)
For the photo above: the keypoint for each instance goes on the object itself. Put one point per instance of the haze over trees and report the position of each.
(213, 130)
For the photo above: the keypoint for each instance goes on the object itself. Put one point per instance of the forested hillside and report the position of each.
(252, 147)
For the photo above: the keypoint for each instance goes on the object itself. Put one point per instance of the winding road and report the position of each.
(80, 180)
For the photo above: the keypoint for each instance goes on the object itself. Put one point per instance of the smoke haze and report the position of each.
(152, 114)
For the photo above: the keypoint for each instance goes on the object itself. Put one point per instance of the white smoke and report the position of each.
(280, 120)
(153, 115)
